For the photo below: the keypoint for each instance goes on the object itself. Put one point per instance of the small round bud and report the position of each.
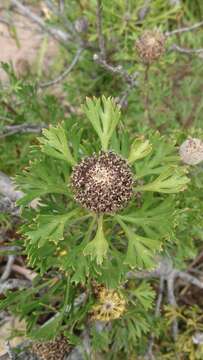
(191, 151)
(150, 46)
(197, 338)
(81, 25)
(95, 57)
(102, 183)
(22, 67)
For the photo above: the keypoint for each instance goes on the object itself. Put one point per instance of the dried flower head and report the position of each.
(191, 151)
(102, 183)
(111, 305)
(52, 350)
(150, 46)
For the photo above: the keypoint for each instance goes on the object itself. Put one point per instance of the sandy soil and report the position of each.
(22, 52)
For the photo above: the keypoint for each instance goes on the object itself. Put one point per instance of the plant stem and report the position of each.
(100, 221)
(146, 97)
(100, 30)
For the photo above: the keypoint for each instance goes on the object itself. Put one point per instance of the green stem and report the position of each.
(100, 222)
(89, 232)
(146, 97)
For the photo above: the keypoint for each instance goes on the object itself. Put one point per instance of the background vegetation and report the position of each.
(95, 55)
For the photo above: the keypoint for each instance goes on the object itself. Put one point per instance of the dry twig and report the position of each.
(144, 10)
(149, 354)
(116, 70)
(10, 352)
(182, 50)
(172, 300)
(57, 34)
(61, 16)
(183, 30)
(8, 188)
(8, 268)
(27, 273)
(21, 128)
(99, 30)
(11, 284)
(165, 271)
(63, 75)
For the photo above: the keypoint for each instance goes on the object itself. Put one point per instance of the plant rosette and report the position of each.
(89, 223)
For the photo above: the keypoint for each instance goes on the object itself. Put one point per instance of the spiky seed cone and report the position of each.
(150, 46)
(102, 183)
(191, 151)
(111, 305)
(52, 350)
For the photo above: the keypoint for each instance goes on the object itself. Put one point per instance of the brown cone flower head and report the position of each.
(150, 46)
(102, 183)
(191, 151)
(52, 350)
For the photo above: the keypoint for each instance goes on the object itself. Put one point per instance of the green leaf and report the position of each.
(104, 115)
(155, 217)
(141, 250)
(49, 329)
(49, 228)
(163, 155)
(139, 149)
(98, 247)
(42, 177)
(145, 295)
(171, 181)
(55, 144)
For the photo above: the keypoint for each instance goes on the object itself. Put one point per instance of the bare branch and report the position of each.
(4, 21)
(8, 188)
(84, 350)
(146, 97)
(185, 29)
(8, 268)
(11, 354)
(5, 118)
(143, 274)
(59, 13)
(149, 354)
(144, 10)
(57, 34)
(182, 50)
(62, 76)
(116, 70)
(8, 206)
(61, 6)
(174, 2)
(21, 128)
(27, 273)
(5, 250)
(123, 97)
(9, 195)
(172, 301)
(99, 30)
(165, 271)
(14, 284)
(190, 279)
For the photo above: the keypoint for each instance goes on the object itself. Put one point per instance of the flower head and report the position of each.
(150, 46)
(191, 151)
(52, 350)
(102, 183)
(111, 305)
